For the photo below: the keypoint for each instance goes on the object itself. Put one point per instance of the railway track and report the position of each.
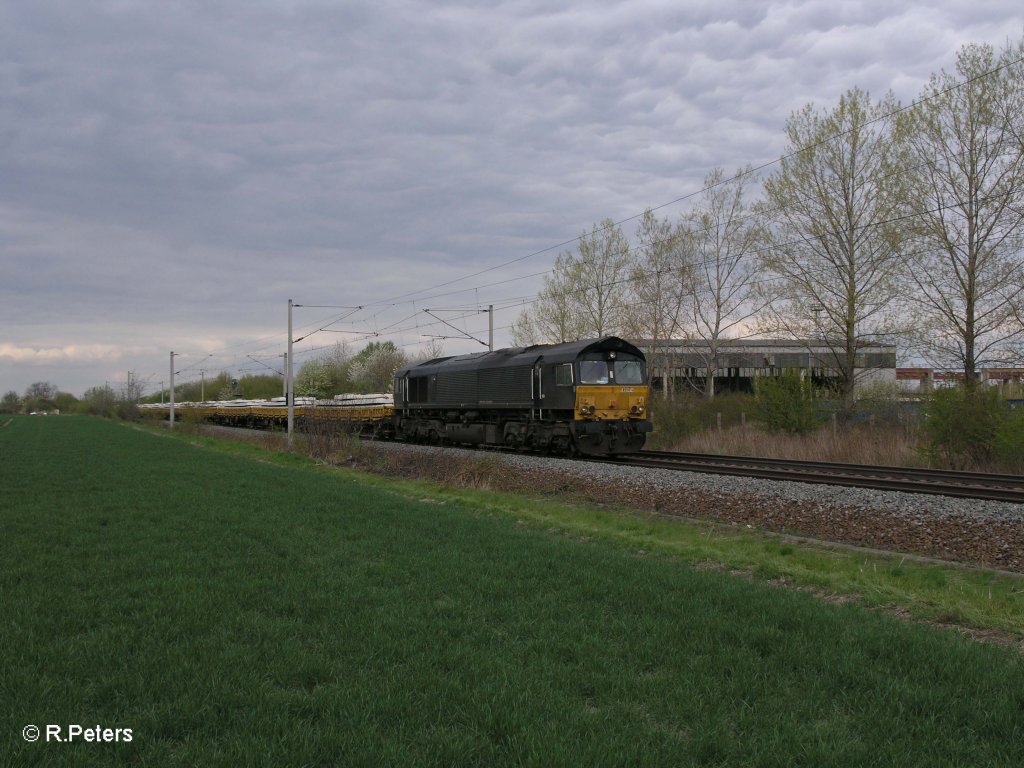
(968, 485)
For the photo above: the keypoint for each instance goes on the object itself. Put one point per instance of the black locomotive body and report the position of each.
(589, 397)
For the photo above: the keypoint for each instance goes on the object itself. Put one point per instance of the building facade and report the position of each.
(740, 362)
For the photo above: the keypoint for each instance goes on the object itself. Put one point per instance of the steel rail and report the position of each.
(873, 470)
(968, 485)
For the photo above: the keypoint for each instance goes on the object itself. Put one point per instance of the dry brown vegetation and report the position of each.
(860, 444)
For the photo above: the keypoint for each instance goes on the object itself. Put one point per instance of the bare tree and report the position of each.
(965, 136)
(553, 316)
(585, 294)
(100, 401)
(601, 274)
(131, 389)
(524, 331)
(129, 396)
(39, 396)
(661, 272)
(1016, 345)
(836, 200)
(431, 351)
(10, 403)
(41, 390)
(726, 235)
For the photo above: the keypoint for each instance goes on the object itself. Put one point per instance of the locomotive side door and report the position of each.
(537, 390)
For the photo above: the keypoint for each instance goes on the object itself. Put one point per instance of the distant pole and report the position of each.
(161, 393)
(172, 392)
(490, 327)
(284, 377)
(202, 386)
(289, 388)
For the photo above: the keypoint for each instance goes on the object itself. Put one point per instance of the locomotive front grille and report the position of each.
(611, 403)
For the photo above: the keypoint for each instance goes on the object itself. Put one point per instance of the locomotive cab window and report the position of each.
(593, 372)
(563, 375)
(629, 372)
(624, 370)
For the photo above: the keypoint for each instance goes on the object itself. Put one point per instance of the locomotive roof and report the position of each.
(519, 356)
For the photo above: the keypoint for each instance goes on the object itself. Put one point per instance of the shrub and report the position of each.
(191, 419)
(786, 404)
(880, 401)
(1008, 443)
(127, 410)
(319, 437)
(961, 425)
(689, 413)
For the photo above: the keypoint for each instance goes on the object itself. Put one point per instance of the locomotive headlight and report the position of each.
(636, 410)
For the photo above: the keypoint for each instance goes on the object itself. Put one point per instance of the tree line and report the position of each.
(881, 222)
(335, 371)
(46, 397)
(339, 370)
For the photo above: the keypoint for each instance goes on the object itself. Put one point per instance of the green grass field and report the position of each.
(232, 611)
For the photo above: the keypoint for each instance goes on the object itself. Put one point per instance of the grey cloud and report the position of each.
(206, 160)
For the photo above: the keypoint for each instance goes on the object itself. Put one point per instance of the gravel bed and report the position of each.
(973, 531)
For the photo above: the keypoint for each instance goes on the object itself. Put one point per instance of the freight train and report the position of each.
(587, 397)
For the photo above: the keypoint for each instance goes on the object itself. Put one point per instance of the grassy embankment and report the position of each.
(233, 612)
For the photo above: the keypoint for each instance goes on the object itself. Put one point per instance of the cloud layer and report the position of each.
(170, 174)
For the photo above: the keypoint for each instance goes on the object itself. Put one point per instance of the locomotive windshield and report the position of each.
(629, 372)
(593, 372)
(616, 372)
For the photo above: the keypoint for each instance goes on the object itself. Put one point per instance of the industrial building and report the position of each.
(740, 361)
(925, 379)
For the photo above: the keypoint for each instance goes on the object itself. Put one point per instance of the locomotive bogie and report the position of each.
(600, 438)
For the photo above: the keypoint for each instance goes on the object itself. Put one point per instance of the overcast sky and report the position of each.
(171, 173)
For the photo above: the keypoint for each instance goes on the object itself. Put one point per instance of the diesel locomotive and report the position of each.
(586, 397)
